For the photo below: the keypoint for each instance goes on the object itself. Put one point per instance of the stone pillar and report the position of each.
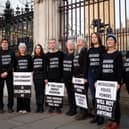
(46, 21)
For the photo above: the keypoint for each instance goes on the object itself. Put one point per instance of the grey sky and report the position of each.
(21, 3)
(14, 3)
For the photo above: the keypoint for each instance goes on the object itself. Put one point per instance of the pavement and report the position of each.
(56, 121)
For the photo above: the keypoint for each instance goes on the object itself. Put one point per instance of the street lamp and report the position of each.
(8, 13)
(97, 23)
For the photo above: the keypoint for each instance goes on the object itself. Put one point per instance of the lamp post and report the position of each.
(16, 26)
(8, 13)
(100, 26)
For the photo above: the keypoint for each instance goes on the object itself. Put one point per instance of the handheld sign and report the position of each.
(80, 92)
(106, 92)
(22, 82)
(54, 94)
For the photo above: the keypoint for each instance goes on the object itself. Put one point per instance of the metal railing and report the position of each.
(17, 26)
(82, 17)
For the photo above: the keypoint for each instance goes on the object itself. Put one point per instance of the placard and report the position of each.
(81, 100)
(106, 92)
(22, 78)
(22, 82)
(80, 92)
(54, 94)
(55, 89)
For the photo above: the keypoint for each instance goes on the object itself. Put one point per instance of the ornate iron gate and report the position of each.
(17, 26)
(82, 17)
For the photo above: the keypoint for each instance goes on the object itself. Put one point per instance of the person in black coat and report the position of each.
(23, 63)
(80, 70)
(112, 67)
(126, 71)
(6, 74)
(94, 56)
(39, 76)
(54, 67)
(67, 77)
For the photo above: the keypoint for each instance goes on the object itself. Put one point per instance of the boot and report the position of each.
(100, 120)
(82, 115)
(71, 112)
(39, 109)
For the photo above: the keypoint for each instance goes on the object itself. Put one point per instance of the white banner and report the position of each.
(81, 100)
(106, 90)
(22, 78)
(78, 80)
(54, 89)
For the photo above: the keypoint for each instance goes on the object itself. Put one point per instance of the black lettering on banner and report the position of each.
(54, 94)
(22, 83)
(105, 107)
(106, 92)
(80, 93)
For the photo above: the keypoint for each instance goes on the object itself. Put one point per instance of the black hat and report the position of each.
(111, 36)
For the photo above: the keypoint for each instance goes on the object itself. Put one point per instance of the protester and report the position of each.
(67, 76)
(80, 70)
(112, 71)
(6, 69)
(23, 63)
(94, 57)
(39, 76)
(54, 66)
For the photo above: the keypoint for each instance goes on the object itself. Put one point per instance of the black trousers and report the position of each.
(117, 113)
(71, 95)
(9, 83)
(39, 91)
(23, 104)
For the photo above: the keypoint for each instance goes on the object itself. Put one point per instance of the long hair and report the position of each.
(41, 50)
(98, 37)
(19, 54)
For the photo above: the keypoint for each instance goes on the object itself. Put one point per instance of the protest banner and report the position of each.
(54, 94)
(80, 92)
(106, 92)
(22, 82)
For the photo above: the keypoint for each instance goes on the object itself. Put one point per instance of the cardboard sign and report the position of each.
(106, 92)
(54, 94)
(80, 92)
(22, 78)
(55, 89)
(81, 100)
(22, 84)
